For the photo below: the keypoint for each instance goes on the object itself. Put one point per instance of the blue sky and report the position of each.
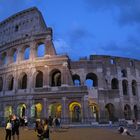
(84, 27)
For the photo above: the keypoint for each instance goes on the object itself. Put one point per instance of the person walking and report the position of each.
(15, 127)
(46, 131)
(8, 129)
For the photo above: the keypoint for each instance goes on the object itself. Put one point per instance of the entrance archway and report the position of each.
(8, 111)
(94, 111)
(36, 110)
(127, 112)
(21, 110)
(55, 110)
(110, 110)
(75, 111)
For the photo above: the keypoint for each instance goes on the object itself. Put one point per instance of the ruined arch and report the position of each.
(36, 110)
(76, 80)
(124, 73)
(21, 110)
(23, 81)
(135, 112)
(4, 58)
(127, 112)
(13, 55)
(40, 49)
(1, 83)
(91, 80)
(10, 82)
(134, 87)
(110, 110)
(125, 87)
(25, 52)
(114, 83)
(55, 77)
(39, 79)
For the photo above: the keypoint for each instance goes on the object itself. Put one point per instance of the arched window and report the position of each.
(39, 79)
(76, 80)
(91, 80)
(134, 87)
(127, 112)
(125, 87)
(4, 58)
(15, 56)
(124, 73)
(23, 81)
(11, 83)
(41, 50)
(114, 83)
(112, 61)
(56, 78)
(136, 112)
(26, 53)
(1, 83)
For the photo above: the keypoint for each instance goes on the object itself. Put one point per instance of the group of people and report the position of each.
(43, 127)
(12, 127)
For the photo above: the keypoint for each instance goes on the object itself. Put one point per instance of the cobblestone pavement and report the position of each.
(75, 134)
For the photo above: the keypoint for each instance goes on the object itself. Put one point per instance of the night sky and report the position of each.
(84, 27)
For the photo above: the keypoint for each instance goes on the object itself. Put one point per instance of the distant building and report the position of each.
(42, 84)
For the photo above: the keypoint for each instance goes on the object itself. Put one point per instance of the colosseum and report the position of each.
(37, 82)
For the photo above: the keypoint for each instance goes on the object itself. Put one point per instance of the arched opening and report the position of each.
(110, 110)
(94, 111)
(76, 80)
(124, 73)
(40, 50)
(23, 81)
(8, 111)
(36, 110)
(26, 51)
(21, 110)
(1, 84)
(56, 78)
(136, 112)
(55, 110)
(91, 80)
(127, 112)
(114, 84)
(13, 55)
(125, 87)
(75, 112)
(10, 82)
(4, 58)
(39, 79)
(134, 87)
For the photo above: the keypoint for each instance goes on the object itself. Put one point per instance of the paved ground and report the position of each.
(75, 134)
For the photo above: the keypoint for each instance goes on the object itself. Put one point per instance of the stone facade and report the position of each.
(100, 88)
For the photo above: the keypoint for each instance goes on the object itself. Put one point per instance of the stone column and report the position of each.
(33, 52)
(64, 74)
(46, 76)
(85, 109)
(45, 112)
(63, 117)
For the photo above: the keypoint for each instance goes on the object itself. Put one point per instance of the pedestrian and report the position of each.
(8, 129)
(124, 131)
(15, 127)
(46, 135)
(135, 124)
(39, 130)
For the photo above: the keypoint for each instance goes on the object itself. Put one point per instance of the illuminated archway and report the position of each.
(8, 111)
(21, 110)
(94, 111)
(55, 109)
(36, 110)
(75, 111)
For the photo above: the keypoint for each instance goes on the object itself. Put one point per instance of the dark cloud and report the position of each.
(129, 48)
(128, 11)
(79, 34)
